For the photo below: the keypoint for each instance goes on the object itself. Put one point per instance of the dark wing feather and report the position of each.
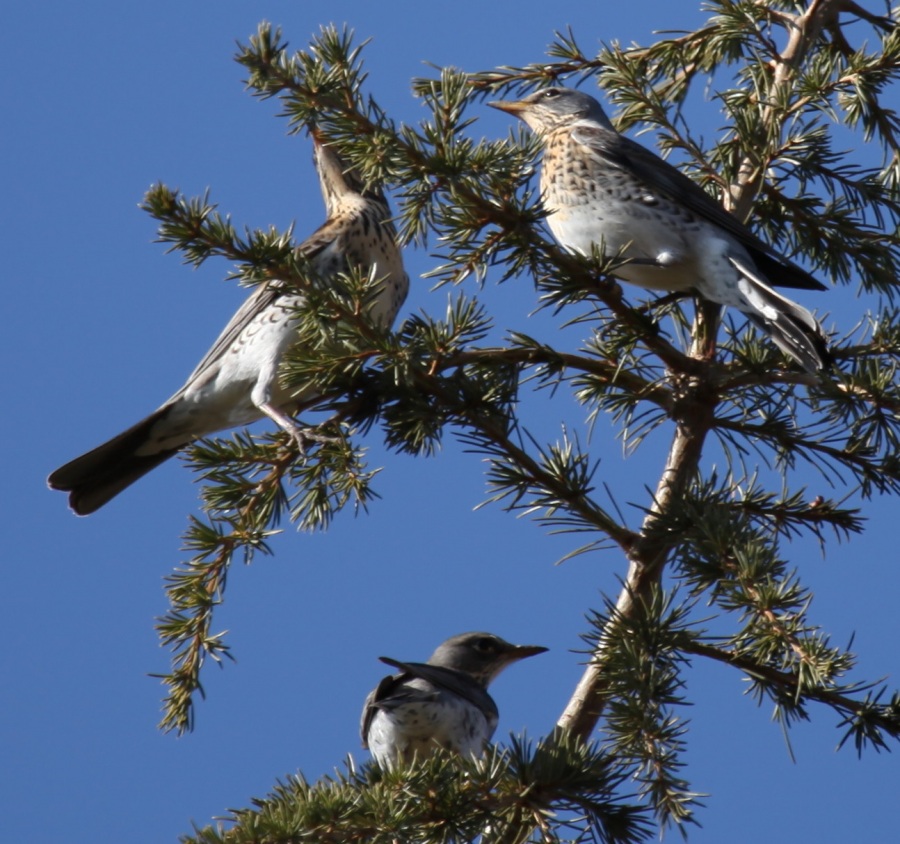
(390, 692)
(446, 678)
(386, 689)
(659, 175)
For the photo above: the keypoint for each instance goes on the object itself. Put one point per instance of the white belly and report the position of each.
(399, 733)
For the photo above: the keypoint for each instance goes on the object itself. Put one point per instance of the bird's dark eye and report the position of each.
(550, 93)
(485, 644)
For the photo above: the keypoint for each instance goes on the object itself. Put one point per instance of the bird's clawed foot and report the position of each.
(306, 436)
(303, 436)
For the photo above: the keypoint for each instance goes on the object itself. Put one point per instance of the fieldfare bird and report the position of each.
(441, 703)
(237, 382)
(603, 189)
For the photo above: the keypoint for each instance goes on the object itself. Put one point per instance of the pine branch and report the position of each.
(647, 554)
(555, 785)
(244, 502)
(867, 720)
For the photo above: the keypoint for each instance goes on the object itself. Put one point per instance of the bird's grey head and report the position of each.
(550, 108)
(480, 655)
(337, 178)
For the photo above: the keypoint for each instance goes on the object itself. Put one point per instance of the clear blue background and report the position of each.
(103, 99)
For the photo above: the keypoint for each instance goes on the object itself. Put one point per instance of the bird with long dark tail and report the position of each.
(601, 188)
(237, 382)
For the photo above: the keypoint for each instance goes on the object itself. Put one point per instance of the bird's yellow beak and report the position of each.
(514, 107)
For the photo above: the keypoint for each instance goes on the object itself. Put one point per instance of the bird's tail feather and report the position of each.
(790, 326)
(784, 273)
(102, 473)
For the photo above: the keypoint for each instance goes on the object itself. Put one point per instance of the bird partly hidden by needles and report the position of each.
(441, 703)
(237, 382)
(600, 186)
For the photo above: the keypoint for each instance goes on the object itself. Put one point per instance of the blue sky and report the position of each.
(103, 99)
